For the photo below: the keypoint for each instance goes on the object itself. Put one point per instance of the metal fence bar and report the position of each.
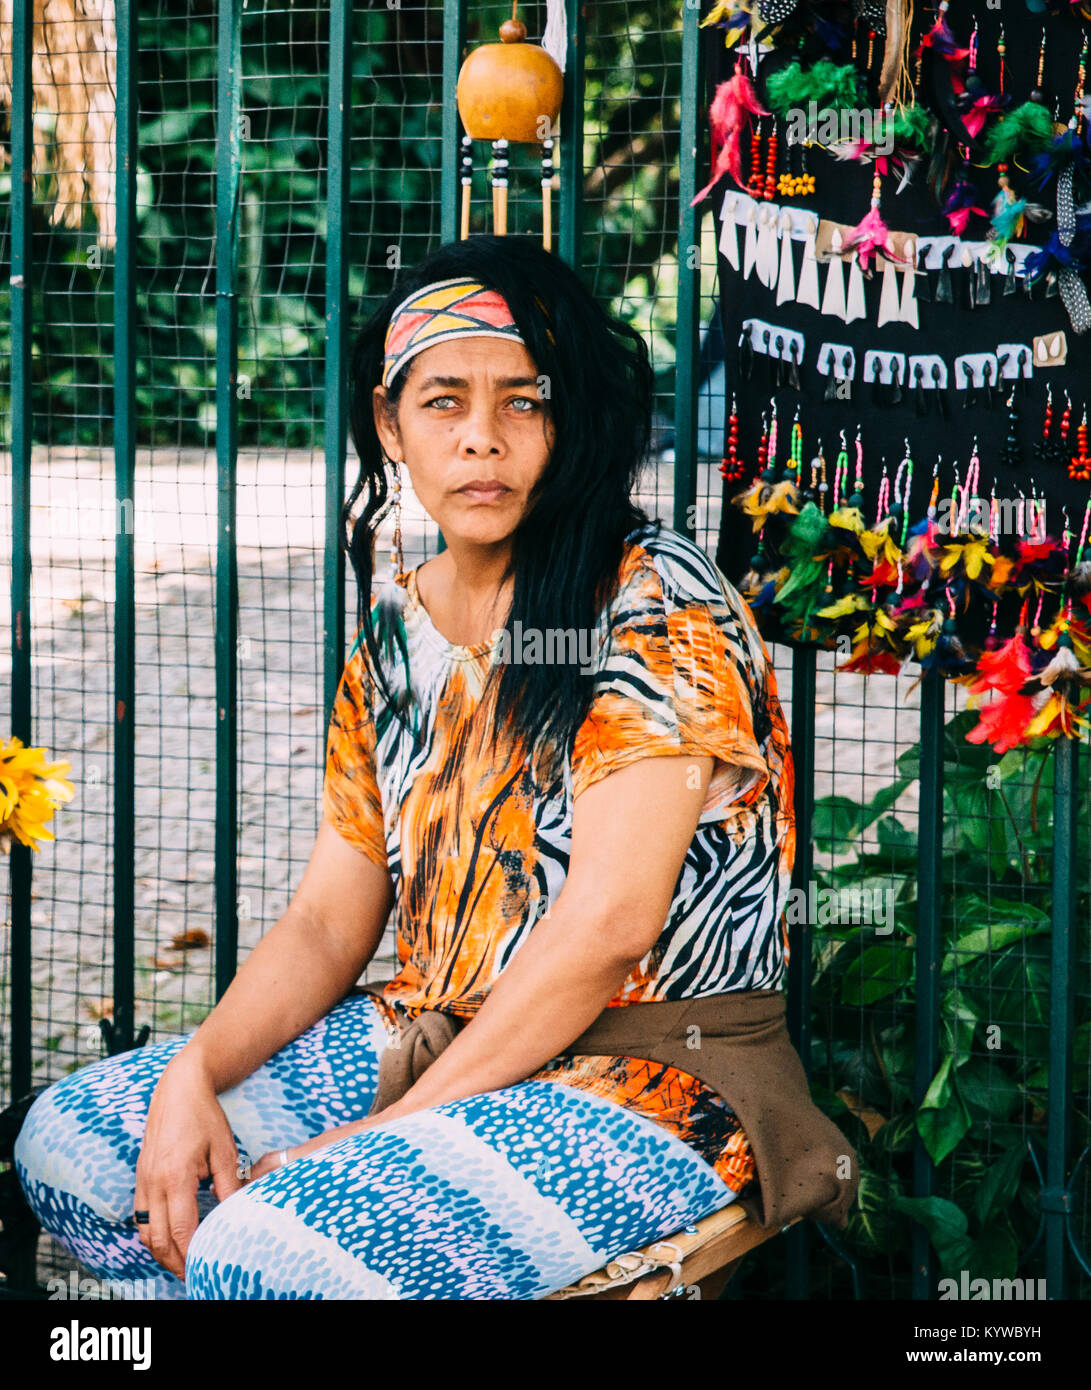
(228, 158)
(119, 1034)
(335, 432)
(22, 440)
(1055, 1199)
(570, 213)
(454, 41)
(798, 1004)
(687, 335)
(929, 933)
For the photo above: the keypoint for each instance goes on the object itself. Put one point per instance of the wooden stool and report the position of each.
(706, 1256)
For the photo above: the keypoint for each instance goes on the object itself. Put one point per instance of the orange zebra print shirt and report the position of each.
(477, 852)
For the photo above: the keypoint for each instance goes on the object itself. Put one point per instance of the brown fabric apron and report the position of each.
(738, 1044)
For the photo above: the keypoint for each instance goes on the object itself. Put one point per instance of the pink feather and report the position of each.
(974, 119)
(732, 107)
(871, 235)
(961, 216)
(849, 149)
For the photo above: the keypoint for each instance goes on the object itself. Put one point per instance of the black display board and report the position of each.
(939, 424)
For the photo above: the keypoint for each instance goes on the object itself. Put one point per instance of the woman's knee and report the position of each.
(257, 1244)
(82, 1135)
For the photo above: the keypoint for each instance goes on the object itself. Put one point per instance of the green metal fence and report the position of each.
(184, 379)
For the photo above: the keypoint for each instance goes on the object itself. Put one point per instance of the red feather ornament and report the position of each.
(1003, 723)
(1007, 668)
(729, 116)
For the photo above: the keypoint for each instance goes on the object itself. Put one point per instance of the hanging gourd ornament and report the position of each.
(510, 93)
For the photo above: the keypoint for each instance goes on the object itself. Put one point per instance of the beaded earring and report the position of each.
(397, 559)
(1043, 448)
(1079, 466)
(732, 467)
(1061, 447)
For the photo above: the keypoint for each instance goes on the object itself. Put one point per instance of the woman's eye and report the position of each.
(528, 400)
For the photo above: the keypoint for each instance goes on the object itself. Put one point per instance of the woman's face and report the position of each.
(471, 411)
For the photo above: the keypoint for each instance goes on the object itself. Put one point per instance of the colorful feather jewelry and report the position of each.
(729, 116)
(872, 234)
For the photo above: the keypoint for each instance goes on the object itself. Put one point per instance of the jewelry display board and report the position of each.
(904, 231)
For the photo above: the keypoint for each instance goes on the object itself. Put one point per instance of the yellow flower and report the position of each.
(31, 789)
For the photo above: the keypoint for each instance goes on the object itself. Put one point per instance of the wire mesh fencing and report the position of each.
(169, 380)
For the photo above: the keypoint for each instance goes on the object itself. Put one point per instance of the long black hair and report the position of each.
(567, 550)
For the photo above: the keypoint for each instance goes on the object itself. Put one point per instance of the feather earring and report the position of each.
(872, 235)
(733, 106)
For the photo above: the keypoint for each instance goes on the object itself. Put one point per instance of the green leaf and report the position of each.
(892, 834)
(872, 1226)
(997, 1188)
(960, 1019)
(886, 797)
(945, 1223)
(993, 1255)
(176, 127)
(877, 972)
(987, 1088)
(942, 1117)
(837, 821)
(996, 934)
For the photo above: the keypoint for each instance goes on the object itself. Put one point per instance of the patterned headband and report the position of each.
(442, 311)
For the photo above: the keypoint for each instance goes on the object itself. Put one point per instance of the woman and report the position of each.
(557, 750)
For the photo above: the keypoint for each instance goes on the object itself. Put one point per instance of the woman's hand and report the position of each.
(268, 1162)
(187, 1138)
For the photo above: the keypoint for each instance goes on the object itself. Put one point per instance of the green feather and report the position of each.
(802, 592)
(830, 87)
(1029, 128)
(912, 128)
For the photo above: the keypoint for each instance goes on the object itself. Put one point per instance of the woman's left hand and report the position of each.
(270, 1161)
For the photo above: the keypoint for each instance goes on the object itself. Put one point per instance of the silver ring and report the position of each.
(283, 1156)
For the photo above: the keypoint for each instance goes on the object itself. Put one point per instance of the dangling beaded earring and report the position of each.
(1043, 448)
(1079, 466)
(732, 467)
(1013, 457)
(756, 185)
(769, 188)
(1060, 449)
(397, 560)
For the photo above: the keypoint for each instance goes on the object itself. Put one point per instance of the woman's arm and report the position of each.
(630, 834)
(301, 967)
(295, 974)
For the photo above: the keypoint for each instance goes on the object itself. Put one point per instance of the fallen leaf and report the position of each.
(190, 940)
(869, 1118)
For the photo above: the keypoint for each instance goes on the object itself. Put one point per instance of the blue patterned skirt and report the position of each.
(507, 1195)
